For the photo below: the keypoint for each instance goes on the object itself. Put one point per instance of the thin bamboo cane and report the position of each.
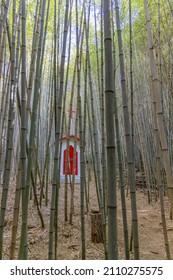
(119, 154)
(82, 187)
(130, 162)
(57, 142)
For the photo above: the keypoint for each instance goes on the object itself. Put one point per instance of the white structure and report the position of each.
(74, 164)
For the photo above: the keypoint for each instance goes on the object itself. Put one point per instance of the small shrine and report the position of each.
(70, 155)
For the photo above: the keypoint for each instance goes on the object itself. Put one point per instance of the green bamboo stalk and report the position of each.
(23, 251)
(159, 112)
(9, 144)
(104, 171)
(119, 154)
(110, 132)
(3, 17)
(80, 41)
(55, 181)
(23, 104)
(131, 171)
(82, 183)
(94, 120)
(158, 160)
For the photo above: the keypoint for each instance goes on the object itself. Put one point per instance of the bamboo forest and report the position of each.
(86, 129)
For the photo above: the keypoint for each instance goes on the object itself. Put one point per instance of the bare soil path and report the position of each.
(149, 220)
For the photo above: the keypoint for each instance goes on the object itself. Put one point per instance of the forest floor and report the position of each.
(151, 237)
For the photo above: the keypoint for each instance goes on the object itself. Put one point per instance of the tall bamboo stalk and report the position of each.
(119, 152)
(23, 102)
(110, 133)
(131, 171)
(10, 130)
(82, 183)
(57, 141)
(159, 111)
(23, 251)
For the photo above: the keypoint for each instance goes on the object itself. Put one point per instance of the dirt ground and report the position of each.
(151, 237)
